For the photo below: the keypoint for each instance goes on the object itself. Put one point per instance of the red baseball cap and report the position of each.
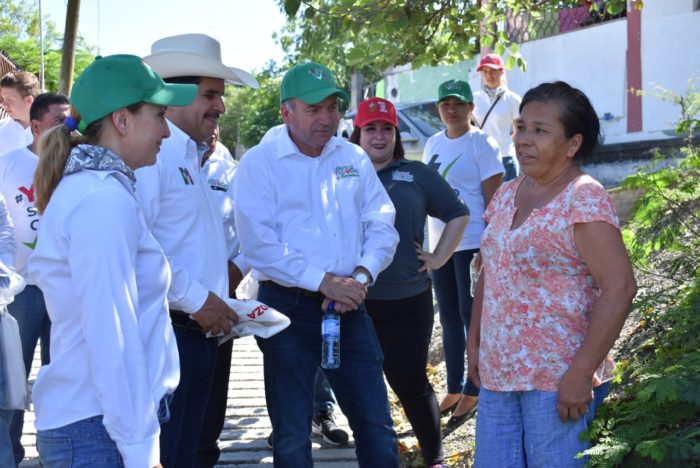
(376, 109)
(491, 61)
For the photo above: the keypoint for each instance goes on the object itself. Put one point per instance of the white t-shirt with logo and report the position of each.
(465, 162)
(16, 185)
(13, 135)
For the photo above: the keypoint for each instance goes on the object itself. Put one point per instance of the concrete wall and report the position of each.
(594, 59)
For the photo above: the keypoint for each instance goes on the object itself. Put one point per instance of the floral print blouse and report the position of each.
(538, 292)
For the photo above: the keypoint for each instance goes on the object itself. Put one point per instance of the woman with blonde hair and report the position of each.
(114, 361)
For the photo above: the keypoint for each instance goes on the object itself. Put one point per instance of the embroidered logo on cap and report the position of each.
(320, 73)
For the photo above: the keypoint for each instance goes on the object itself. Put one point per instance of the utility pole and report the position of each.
(68, 58)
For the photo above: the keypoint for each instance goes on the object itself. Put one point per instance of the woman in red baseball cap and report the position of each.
(495, 109)
(401, 301)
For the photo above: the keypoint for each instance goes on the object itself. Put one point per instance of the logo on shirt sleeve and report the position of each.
(343, 172)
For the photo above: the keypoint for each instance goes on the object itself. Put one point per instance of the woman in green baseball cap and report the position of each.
(470, 161)
(114, 361)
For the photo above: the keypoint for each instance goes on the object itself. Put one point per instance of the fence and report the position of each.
(526, 26)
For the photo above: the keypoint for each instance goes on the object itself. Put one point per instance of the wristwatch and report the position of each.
(361, 277)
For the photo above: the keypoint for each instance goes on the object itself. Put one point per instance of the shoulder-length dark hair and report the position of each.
(398, 147)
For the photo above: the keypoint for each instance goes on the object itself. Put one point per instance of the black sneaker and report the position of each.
(325, 426)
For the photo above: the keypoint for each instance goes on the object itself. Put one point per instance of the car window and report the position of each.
(425, 117)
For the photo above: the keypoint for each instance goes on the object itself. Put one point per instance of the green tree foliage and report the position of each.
(250, 113)
(382, 33)
(19, 40)
(655, 420)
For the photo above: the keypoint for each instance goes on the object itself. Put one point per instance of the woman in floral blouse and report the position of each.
(555, 291)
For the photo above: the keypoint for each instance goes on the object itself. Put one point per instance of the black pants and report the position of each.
(209, 451)
(404, 328)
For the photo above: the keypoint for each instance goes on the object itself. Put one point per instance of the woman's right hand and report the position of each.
(473, 357)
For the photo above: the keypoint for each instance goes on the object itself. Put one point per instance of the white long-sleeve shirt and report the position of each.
(7, 236)
(186, 220)
(13, 135)
(16, 183)
(219, 170)
(104, 278)
(300, 217)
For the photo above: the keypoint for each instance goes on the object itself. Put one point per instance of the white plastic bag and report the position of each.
(254, 318)
(14, 378)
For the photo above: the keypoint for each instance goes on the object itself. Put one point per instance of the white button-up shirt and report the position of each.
(219, 170)
(104, 278)
(186, 220)
(300, 217)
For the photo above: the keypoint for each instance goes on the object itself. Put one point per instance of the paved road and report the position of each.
(247, 425)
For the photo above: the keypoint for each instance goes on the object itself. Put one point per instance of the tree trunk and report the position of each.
(68, 57)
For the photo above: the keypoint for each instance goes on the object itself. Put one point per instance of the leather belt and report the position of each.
(182, 319)
(292, 290)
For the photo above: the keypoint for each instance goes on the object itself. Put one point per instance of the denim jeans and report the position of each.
(179, 437)
(324, 400)
(7, 457)
(29, 310)
(510, 164)
(452, 283)
(523, 429)
(82, 444)
(291, 359)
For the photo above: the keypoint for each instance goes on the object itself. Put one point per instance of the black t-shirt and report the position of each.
(416, 191)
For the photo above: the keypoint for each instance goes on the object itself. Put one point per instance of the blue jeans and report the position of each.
(323, 394)
(29, 309)
(523, 429)
(452, 283)
(82, 444)
(179, 437)
(291, 359)
(7, 457)
(510, 164)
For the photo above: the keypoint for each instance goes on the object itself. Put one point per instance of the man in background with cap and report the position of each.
(186, 220)
(316, 226)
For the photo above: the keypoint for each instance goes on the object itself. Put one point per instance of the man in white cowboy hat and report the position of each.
(186, 219)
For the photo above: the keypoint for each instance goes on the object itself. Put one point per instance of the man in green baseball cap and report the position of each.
(317, 227)
(309, 106)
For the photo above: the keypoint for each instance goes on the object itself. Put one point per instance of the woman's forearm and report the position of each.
(451, 235)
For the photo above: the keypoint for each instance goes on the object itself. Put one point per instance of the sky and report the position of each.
(243, 27)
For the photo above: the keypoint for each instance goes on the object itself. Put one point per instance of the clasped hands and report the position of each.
(347, 293)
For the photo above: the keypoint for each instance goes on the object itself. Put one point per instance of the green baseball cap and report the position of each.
(309, 82)
(456, 88)
(117, 81)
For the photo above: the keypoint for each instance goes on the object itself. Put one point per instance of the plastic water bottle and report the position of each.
(330, 333)
(473, 275)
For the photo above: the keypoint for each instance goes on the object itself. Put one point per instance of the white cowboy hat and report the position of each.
(194, 55)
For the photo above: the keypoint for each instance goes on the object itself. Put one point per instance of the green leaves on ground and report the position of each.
(654, 419)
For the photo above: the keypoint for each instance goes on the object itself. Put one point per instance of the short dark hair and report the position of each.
(184, 79)
(42, 102)
(24, 82)
(398, 147)
(576, 113)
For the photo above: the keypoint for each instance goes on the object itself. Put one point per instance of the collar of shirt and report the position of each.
(286, 147)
